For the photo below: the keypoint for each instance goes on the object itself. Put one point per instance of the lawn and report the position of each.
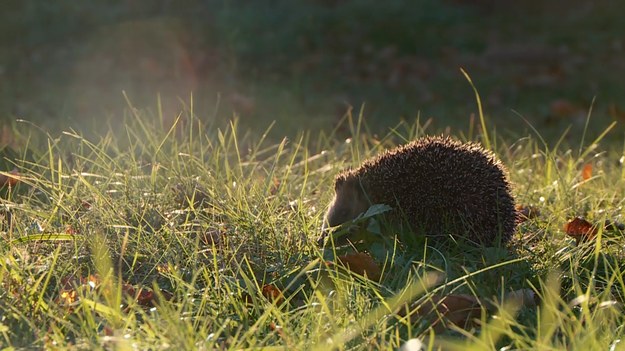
(164, 173)
(200, 238)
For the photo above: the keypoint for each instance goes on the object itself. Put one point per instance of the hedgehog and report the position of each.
(438, 186)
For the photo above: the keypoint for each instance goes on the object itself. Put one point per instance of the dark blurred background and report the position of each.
(303, 64)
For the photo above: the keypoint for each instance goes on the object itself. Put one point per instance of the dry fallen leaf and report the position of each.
(525, 213)
(278, 330)
(67, 297)
(580, 229)
(92, 281)
(273, 294)
(275, 185)
(108, 331)
(444, 311)
(462, 310)
(11, 178)
(70, 286)
(146, 298)
(165, 268)
(363, 264)
(587, 171)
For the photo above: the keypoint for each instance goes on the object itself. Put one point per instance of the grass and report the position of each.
(203, 235)
(195, 237)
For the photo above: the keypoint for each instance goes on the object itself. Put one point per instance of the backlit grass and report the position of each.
(165, 238)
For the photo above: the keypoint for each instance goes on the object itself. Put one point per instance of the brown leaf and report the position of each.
(442, 312)
(128, 289)
(275, 186)
(69, 287)
(363, 264)
(525, 213)
(278, 330)
(146, 298)
(108, 331)
(273, 294)
(11, 178)
(580, 229)
(587, 171)
(165, 268)
(67, 297)
(93, 281)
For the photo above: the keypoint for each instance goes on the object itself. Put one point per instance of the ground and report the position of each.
(190, 221)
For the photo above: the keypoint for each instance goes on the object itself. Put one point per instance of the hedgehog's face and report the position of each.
(349, 201)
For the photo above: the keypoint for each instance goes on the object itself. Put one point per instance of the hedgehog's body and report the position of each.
(437, 185)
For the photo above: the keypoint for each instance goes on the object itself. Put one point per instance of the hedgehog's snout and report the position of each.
(349, 201)
(329, 221)
(327, 229)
